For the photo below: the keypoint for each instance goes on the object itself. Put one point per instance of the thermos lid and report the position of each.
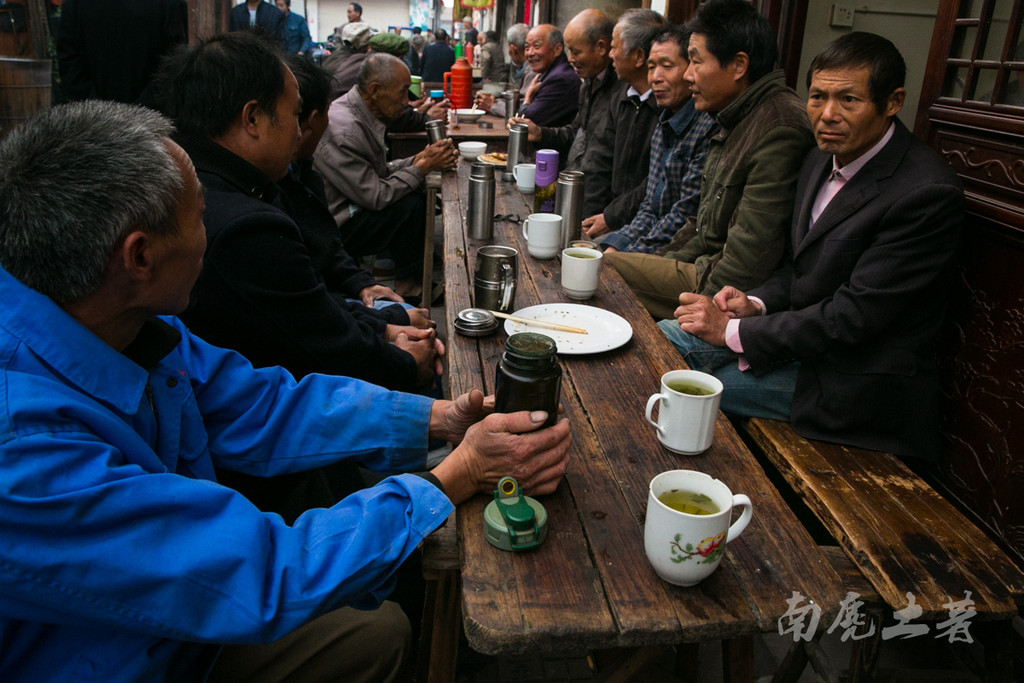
(475, 322)
(481, 170)
(436, 93)
(547, 167)
(513, 521)
(570, 177)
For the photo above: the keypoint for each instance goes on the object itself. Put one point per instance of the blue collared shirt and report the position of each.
(679, 147)
(296, 34)
(121, 559)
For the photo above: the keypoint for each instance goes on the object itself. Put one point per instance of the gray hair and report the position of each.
(636, 29)
(75, 180)
(516, 35)
(555, 37)
(378, 67)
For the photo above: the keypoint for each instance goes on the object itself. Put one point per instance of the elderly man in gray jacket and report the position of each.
(378, 204)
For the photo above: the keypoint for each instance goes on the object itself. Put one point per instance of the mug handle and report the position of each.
(526, 222)
(650, 407)
(507, 287)
(744, 519)
(515, 173)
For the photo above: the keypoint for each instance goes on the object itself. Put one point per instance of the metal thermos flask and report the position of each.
(569, 204)
(517, 138)
(480, 218)
(511, 98)
(436, 130)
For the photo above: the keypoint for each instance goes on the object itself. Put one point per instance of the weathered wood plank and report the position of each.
(900, 533)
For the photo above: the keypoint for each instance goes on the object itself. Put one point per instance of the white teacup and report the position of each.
(689, 408)
(685, 547)
(525, 175)
(581, 271)
(543, 234)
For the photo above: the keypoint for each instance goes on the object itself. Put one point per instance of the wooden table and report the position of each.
(590, 586)
(407, 144)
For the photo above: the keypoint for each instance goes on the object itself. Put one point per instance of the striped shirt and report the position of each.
(679, 147)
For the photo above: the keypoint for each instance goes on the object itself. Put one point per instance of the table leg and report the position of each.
(433, 185)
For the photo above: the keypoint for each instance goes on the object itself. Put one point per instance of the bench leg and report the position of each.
(738, 660)
(793, 664)
(442, 626)
(864, 656)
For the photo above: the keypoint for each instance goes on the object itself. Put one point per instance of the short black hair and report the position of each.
(287, 3)
(203, 87)
(314, 84)
(733, 26)
(357, 7)
(673, 33)
(861, 49)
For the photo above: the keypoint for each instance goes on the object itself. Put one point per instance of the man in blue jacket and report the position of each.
(296, 31)
(121, 558)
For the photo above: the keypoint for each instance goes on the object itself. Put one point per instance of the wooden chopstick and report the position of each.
(539, 323)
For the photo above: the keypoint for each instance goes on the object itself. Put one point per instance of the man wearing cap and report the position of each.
(378, 204)
(356, 37)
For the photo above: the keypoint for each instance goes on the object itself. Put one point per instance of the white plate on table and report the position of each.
(605, 330)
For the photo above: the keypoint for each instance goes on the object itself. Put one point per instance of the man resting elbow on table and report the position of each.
(120, 554)
(840, 340)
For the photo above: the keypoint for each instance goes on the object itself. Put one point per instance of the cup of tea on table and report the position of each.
(581, 272)
(688, 524)
(687, 410)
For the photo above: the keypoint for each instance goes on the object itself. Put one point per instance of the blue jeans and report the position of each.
(769, 395)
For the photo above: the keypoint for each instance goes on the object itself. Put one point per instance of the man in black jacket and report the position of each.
(622, 146)
(265, 289)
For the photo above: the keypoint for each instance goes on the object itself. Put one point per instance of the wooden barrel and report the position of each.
(24, 90)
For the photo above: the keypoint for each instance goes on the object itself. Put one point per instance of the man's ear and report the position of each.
(740, 66)
(602, 47)
(639, 59)
(137, 255)
(251, 113)
(895, 102)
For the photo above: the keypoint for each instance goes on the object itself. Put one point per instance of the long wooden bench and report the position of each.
(907, 540)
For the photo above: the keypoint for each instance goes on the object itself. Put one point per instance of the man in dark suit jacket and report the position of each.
(840, 339)
(268, 20)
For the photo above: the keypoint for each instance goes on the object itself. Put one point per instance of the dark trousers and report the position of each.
(398, 227)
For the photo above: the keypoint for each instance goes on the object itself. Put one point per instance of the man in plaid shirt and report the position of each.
(749, 177)
(678, 148)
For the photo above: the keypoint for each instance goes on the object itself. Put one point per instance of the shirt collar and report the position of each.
(75, 353)
(851, 168)
(633, 92)
(681, 120)
(211, 157)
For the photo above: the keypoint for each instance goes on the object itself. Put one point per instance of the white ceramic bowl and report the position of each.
(469, 115)
(471, 150)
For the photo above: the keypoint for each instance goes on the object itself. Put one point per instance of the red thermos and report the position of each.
(458, 83)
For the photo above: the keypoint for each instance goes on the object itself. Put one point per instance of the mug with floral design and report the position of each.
(688, 524)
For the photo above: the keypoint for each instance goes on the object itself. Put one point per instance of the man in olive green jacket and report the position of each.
(749, 181)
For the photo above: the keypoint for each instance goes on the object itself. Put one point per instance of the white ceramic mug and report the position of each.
(543, 234)
(525, 175)
(683, 547)
(686, 421)
(581, 271)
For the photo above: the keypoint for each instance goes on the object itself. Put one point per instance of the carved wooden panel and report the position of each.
(982, 361)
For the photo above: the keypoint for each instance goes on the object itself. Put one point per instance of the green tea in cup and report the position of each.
(690, 502)
(684, 387)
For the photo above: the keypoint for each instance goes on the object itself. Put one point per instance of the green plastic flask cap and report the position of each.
(513, 521)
